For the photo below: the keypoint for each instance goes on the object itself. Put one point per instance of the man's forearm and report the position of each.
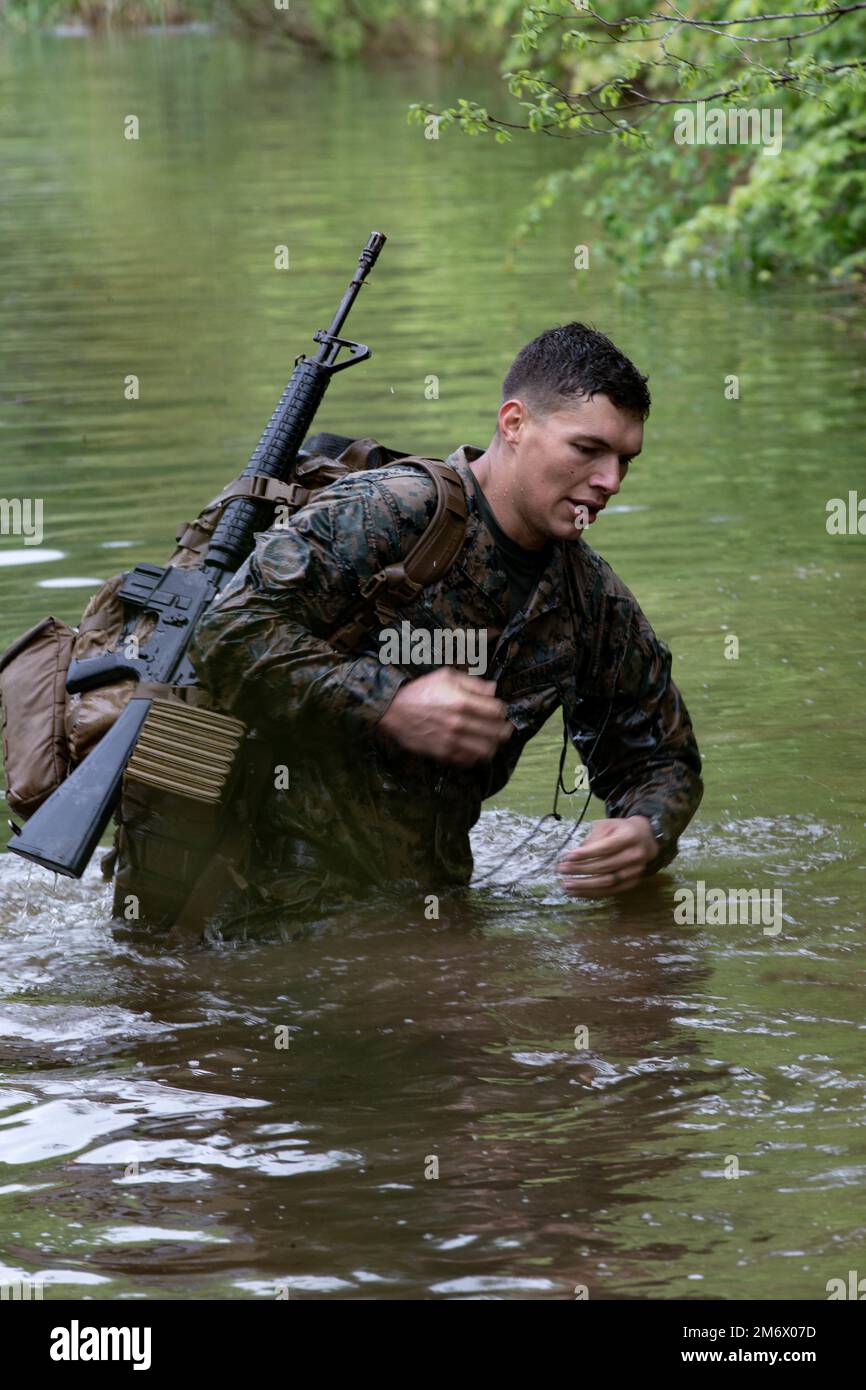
(643, 760)
(258, 664)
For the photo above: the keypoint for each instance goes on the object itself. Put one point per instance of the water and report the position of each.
(245, 1123)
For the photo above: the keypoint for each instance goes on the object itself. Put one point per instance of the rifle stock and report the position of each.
(64, 832)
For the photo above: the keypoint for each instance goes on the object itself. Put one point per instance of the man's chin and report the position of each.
(567, 531)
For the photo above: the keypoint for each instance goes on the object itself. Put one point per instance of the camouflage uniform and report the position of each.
(360, 812)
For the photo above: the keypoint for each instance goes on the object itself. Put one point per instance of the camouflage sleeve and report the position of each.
(262, 652)
(636, 741)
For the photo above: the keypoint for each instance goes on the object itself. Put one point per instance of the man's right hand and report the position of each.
(448, 716)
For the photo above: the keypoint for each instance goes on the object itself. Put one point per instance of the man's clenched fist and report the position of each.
(448, 716)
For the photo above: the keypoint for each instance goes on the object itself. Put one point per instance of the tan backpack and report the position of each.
(46, 732)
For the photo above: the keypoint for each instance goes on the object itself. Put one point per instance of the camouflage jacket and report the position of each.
(357, 804)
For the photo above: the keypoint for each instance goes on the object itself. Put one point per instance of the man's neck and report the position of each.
(499, 491)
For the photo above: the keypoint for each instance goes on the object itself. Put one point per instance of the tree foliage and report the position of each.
(615, 82)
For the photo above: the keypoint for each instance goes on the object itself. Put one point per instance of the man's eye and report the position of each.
(584, 448)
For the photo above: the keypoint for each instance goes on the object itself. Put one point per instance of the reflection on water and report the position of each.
(36, 556)
(582, 1073)
(227, 1122)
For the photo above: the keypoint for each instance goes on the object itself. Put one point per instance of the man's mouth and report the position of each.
(585, 511)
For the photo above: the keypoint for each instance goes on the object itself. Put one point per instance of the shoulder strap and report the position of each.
(443, 538)
(427, 561)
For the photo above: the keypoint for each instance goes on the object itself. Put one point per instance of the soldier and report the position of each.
(390, 763)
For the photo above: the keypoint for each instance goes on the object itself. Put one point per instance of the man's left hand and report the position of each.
(612, 858)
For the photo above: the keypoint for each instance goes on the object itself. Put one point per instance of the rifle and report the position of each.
(66, 829)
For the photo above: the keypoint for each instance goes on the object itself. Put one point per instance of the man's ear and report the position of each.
(512, 418)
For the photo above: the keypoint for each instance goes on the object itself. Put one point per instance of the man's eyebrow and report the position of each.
(605, 444)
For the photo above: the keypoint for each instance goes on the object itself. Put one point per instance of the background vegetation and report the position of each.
(611, 81)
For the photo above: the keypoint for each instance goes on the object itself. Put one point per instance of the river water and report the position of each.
(615, 1101)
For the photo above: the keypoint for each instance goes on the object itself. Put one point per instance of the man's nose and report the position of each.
(607, 474)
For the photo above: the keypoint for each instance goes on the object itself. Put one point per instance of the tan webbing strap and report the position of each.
(260, 487)
(193, 695)
(154, 690)
(264, 488)
(427, 561)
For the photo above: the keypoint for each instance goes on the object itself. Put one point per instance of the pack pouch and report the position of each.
(33, 697)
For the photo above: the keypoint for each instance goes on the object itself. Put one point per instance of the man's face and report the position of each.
(575, 458)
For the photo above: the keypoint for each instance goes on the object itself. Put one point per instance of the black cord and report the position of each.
(559, 785)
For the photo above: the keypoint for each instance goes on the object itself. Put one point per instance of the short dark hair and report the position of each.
(574, 361)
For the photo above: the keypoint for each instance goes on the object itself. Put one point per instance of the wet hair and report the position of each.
(574, 362)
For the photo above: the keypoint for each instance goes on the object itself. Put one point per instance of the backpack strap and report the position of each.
(192, 535)
(344, 454)
(432, 554)
(392, 587)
